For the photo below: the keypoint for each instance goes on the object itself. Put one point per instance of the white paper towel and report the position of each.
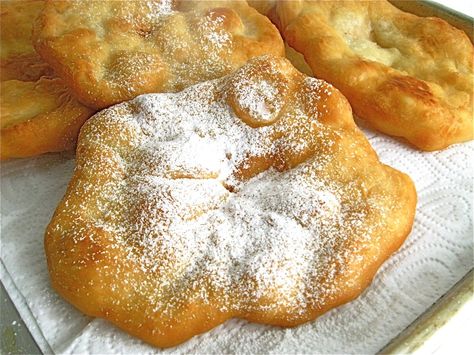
(438, 253)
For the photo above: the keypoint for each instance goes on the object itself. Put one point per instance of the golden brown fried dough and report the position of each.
(251, 196)
(407, 76)
(37, 112)
(111, 51)
(38, 117)
(18, 59)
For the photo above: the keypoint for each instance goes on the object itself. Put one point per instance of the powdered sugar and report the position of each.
(212, 27)
(157, 9)
(149, 11)
(207, 208)
(256, 99)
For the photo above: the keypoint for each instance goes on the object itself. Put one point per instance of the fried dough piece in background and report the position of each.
(407, 76)
(38, 117)
(111, 51)
(18, 59)
(38, 114)
(252, 196)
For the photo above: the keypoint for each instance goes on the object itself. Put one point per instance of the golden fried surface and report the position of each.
(38, 117)
(18, 59)
(37, 112)
(407, 76)
(251, 196)
(111, 51)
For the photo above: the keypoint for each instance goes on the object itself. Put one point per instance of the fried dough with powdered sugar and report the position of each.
(252, 196)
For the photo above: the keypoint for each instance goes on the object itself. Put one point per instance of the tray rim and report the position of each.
(433, 319)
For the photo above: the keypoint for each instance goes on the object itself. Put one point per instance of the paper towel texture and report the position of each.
(437, 253)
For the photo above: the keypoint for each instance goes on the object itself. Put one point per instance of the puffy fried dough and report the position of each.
(251, 196)
(38, 117)
(18, 59)
(111, 51)
(407, 76)
(38, 114)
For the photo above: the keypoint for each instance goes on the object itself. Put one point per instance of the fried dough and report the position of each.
(252, 196)
(407, 76)
(111, 51)
(38, 117)
(37, 112)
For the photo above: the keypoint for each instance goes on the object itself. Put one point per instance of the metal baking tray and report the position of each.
(15, 338)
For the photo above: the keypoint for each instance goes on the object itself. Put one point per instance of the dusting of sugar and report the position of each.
(156, 9)
(256, 98)
(213, 32)
(196, 230)
(153, 11)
